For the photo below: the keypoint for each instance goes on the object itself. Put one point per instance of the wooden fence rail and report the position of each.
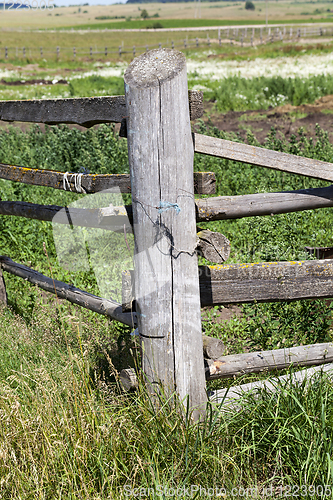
(207, 209)
(156, 113)
(250, 205)
(204, 182)
(261, 282)
(261, 157)
(84, 111)
(230, 398)
(237, 365)
(70, 293)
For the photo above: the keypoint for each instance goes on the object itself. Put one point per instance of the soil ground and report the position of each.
(285, 119)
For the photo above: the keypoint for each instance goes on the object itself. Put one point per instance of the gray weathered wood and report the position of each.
(128, 379)
(266, 282)
(69, 215)
(91, 183)
(127, 299)
(106, 307)
(84, 111)
(263, 157)
(256, 362)
(229, 398)
(261, 282)
(161, 164)
(236, 365)
(204, 182)
(195, 101)
(3, 293)
(212, 348)
(236, 207)
(213, 246)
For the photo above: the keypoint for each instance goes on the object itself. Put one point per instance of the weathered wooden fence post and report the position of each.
(160, 151)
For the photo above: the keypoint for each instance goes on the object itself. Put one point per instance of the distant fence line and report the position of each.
(240, 36)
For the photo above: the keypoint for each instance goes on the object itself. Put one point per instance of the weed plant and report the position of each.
(235, 93)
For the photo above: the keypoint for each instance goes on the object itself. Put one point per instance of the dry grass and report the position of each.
(69, 16)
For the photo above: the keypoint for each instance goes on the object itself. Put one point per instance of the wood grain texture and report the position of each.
(91, 183)
(204, 182)
(212, 348)
(231, 398)
(195, 101)
(237, 365)
(261, 282)
(161, 165)
(128, 379)
(106, 307)
(68, 215)
(236, 207)
(84, 111)
(215, 247)
(254, 155)
(266, 282)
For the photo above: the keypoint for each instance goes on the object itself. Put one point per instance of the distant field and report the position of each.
(223, 12)
(182, 23)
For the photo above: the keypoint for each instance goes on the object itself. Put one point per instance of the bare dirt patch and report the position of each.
(285, 119)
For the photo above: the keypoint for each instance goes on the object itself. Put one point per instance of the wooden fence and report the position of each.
(249, 36)
(164, 293)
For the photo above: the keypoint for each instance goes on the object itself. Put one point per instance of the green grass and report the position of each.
(68, 433)
(66, 430)
(184, 23)
(236, 93)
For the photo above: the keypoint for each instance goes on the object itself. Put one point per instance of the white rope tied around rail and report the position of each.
(76, 178)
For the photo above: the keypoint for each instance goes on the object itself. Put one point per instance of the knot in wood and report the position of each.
(154, 67)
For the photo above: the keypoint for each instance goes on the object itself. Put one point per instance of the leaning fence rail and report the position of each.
(168, 117)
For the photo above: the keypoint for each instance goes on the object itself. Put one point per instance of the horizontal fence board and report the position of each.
(92, 217)
(262, 157)
(261, 282)
(84, 111)
(204, 182)
(96, 304)
(249, 205)
(230, 398)
(91, 183)
(236, 365)
(266, 282)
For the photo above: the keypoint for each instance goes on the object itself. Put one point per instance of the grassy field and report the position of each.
(67, 431)
(234, 12)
